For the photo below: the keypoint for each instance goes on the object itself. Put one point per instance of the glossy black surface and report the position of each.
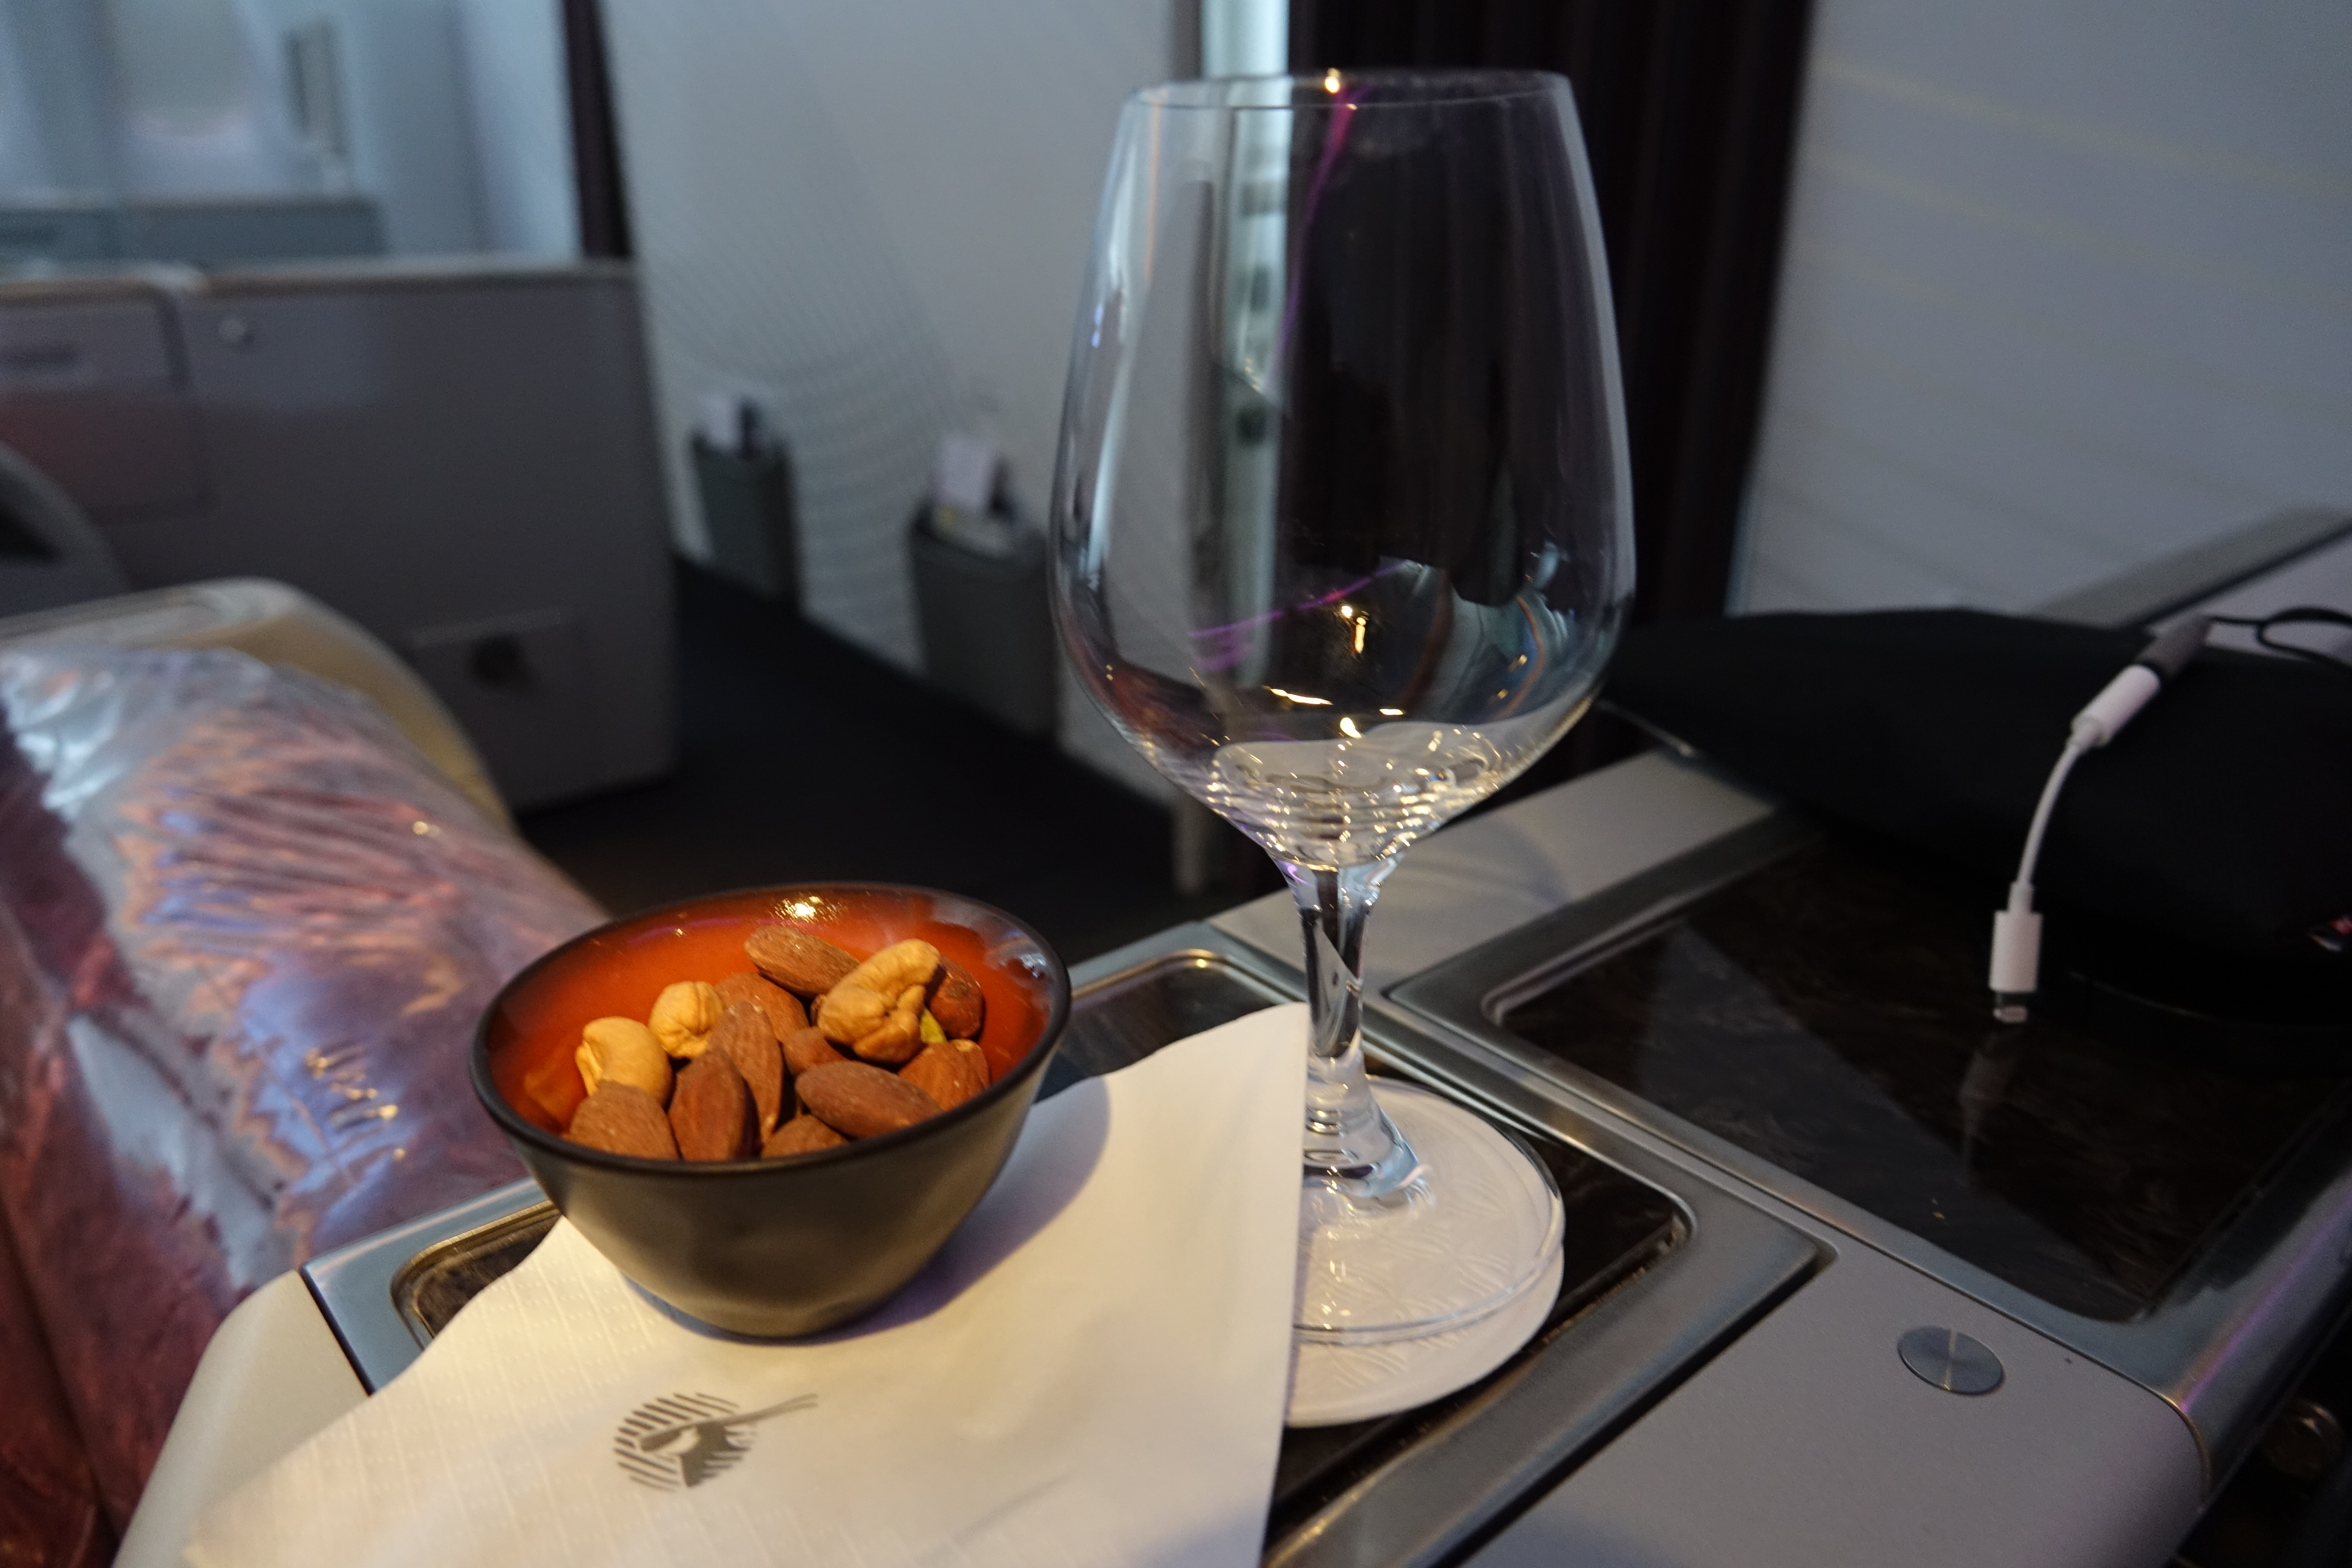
(1615, 1224)
(1828, 1014)
(1125, 1020)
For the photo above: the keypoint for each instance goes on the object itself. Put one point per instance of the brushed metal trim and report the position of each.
(1486, 1460)
(537, 1216)
(2222, 1345)
(1471, 1474)
(2202, 572)
(356, 1286)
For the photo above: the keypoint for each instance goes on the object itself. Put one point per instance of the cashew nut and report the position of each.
(877, 1008)
(622, 1050)
(684, 1016)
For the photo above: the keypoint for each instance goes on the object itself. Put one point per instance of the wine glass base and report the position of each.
(1407, 1297)
(1332, 1384)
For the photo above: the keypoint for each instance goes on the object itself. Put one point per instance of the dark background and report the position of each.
(1689, 114)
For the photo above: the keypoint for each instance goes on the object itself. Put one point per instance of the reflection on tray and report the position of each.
(1828, 1014)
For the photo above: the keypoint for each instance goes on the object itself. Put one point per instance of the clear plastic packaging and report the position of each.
(246, 931)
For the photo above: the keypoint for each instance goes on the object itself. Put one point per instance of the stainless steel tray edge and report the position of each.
(2264, 1298)
(1481, 1462)
(355, 1286)
(1496, 1455)
(1492, 1457)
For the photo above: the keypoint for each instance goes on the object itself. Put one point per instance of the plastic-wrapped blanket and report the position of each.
(244, 934)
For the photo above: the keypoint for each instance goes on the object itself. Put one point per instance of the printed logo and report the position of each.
(689, 1438)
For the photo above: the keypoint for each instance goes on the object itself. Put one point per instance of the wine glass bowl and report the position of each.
(1341, 544)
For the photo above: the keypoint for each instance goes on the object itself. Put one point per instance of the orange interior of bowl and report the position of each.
(618, 971)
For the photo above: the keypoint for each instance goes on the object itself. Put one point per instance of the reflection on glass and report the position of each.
(219, 131)
(1342, 542)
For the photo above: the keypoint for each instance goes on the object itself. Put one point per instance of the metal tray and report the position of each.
(2219, 1340)
(1655, 1282)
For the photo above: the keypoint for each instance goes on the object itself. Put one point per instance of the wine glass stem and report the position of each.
(1350, 1142)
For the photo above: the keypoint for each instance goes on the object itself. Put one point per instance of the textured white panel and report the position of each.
(512, 57)
(198, 100)
(2068, 286)
(411, 124)
(876, 219)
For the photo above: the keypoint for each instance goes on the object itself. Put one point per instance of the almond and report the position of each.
(959, 1003)
(797, 961)
(860, 1101)
(806, 1049)
(711, 1110)
(782, 1007)
(622, 1118)
(802, 1135)
(950, 1072)
(744, 1037)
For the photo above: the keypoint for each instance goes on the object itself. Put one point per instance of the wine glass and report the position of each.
(1342, 541)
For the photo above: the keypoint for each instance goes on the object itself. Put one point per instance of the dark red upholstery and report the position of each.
(49, 1511)
(245, 933)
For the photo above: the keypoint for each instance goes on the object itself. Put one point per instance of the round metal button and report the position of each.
(1950, 1360)
(2305, 1442)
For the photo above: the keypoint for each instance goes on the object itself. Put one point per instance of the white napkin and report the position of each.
(1091, 1372)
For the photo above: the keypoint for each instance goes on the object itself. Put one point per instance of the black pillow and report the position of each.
(2221, 818)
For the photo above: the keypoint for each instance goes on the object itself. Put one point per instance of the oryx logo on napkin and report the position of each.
(689, 1438)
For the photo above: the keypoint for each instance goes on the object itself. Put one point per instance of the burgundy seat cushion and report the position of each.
(49, 1511)
(244, 934)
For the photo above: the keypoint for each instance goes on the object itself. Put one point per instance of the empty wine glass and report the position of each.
(1342, 540)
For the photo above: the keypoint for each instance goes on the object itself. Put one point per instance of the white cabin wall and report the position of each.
(874, 218)
(2068, 286)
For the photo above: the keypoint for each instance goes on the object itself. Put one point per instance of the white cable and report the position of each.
(2016, 929)
(2078, 746)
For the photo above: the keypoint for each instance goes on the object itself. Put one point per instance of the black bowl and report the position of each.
(769, 1247)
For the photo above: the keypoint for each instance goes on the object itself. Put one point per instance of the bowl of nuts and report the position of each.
(770, 1108)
